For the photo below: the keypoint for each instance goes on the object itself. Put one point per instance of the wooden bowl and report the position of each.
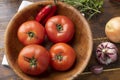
(82, 41)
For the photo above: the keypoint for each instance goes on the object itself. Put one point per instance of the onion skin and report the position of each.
(106, 53)
(112, 29)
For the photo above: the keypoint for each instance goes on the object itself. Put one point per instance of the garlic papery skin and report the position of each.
(106, 53)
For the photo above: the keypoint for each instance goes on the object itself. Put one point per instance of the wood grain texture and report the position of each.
(9, 7)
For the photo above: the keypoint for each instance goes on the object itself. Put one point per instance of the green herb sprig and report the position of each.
(88, 7)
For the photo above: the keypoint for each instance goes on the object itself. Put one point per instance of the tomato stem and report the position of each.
(59, 27)
(59, 57)
(32, 61)
(31, 34)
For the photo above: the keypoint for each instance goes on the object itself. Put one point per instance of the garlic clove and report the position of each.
(97, 69)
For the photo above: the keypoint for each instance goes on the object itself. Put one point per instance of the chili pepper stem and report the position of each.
(55, 2)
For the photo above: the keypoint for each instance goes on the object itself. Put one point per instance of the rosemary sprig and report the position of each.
(88, 7)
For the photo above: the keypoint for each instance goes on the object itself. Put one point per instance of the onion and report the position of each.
(106, 53)
(112, 29)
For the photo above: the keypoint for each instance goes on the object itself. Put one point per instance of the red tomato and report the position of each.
(33, 59)
(62, 56)
(31, 32)
(59, 29)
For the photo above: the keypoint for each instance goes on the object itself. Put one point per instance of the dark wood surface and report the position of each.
(111, 72)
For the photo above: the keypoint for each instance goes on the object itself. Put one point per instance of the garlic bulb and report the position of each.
(106, 53)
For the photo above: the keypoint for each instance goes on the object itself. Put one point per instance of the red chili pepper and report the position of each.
(52, 12)
(42, 13)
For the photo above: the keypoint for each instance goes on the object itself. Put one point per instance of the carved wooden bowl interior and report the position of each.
(81, 42)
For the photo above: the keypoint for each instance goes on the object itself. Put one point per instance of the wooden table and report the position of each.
(111, 72)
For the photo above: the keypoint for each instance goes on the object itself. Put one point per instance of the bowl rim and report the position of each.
(70, 7)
